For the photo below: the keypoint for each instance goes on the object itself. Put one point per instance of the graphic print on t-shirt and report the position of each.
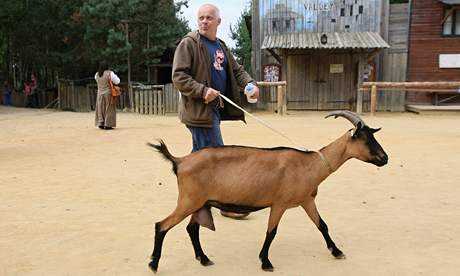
(219, 58)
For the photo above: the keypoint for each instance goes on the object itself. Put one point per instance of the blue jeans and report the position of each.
(7, 99)
(207, 137)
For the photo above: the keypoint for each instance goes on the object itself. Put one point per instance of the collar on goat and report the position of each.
(323, 158)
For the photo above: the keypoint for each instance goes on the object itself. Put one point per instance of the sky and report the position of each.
(230, 11)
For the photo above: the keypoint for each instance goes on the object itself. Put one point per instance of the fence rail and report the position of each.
(422, 87)
(148, 99)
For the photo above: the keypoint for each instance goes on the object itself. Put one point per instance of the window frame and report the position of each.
(455, 21)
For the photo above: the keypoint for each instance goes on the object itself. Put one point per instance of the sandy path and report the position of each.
(76, 200)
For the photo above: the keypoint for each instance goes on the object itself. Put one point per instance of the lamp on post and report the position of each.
(323, 39)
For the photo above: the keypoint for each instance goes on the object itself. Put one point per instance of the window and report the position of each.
(288, 25)
(274, 26)
(451, 22)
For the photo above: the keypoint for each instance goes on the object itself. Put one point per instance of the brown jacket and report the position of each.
(191, 74)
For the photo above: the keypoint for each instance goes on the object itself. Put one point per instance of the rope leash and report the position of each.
(262, 122)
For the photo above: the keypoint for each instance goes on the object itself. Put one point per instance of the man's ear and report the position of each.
(219, 20)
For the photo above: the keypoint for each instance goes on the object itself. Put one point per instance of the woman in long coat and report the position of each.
(106, 116)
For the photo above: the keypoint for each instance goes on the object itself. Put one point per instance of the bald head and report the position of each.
(208, 21)
(213, 9)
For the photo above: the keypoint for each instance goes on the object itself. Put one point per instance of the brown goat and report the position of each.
(246, 179)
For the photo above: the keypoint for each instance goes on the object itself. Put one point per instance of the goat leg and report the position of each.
(183, 209)
(263, 255)
(337, 253)
(275, 216)
(193, 229)
(156, 254)
(310, 207)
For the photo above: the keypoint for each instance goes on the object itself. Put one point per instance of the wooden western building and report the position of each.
(324, 48)
(434, 46)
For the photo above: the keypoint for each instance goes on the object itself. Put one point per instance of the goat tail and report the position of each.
(163, 149)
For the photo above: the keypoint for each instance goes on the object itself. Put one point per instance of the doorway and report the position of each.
(320, 81)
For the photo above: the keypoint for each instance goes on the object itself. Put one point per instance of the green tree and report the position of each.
(36, 36)
(241, 35)
(106, 26)
(68, 37)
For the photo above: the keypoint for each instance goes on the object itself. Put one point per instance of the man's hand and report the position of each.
(211, 94)
(256, 93)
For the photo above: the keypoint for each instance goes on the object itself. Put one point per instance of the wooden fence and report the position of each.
(421, 87)
(148, 99)
(281, 101)
(155, 99)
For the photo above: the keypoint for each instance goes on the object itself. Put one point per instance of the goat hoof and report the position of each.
(204, 260)
(337, 253)
(153, 266)
(267, 266)
(340, 256)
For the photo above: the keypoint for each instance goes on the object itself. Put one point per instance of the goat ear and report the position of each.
(374, 130)
(354, 132)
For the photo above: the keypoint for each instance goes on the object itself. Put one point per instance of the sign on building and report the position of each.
(449, 61)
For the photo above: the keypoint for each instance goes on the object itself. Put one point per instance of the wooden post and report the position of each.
(284, 89)
(155, 102)
(59, 94)
(135, 106)
(279, 99)
(359, 95)
(359, 102)
(72, 98)
(162, 102)
(373, 99)
(150, 101)
(88, 99)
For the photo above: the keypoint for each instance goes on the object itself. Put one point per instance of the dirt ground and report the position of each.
(76, 200)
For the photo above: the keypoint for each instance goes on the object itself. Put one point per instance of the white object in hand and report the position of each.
(249, 91)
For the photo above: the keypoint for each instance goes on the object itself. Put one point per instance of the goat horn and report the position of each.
(352, 117)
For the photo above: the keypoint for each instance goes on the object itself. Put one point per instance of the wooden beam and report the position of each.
(422, 90)
(275, 55)
(414, 85)
(372, 55)
(268, 84)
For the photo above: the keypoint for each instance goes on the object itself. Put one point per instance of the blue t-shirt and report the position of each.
(218, 64)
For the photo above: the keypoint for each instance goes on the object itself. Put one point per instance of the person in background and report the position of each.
(7, 91)
(106, 116)
(33, 90)
(27, 93)
(203, 68)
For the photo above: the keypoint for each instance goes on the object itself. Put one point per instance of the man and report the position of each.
(203, 68)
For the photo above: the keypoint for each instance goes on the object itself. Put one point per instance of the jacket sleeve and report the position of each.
(114, 78)
(182, 64)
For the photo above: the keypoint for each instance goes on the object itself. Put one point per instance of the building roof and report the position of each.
(310, 40)
(450, 2)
